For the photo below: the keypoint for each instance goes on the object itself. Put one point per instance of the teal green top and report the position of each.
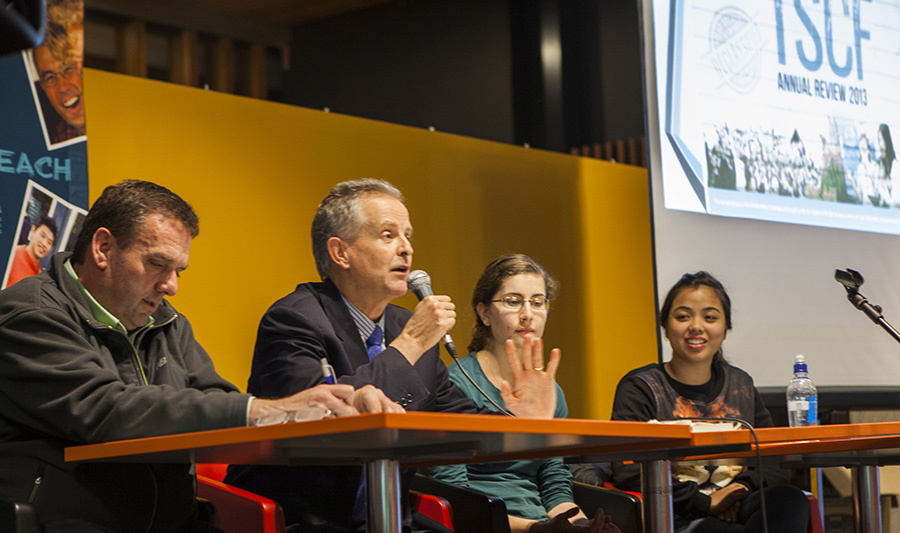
(529, 488)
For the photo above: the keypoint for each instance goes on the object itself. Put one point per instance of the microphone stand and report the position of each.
(872, 311)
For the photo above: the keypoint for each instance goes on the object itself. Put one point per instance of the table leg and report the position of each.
(383, 496)
(656, 489)
(867, 499)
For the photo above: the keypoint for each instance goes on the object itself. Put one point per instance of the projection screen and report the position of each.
(772, 164)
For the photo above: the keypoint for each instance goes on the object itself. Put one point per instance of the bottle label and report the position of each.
(798, 405)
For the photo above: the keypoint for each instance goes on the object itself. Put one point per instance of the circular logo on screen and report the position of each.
(735, 46)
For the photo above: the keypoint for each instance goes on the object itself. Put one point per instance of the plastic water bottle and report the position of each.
(802, 399)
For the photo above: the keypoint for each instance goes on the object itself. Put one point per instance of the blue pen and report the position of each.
(328, 371)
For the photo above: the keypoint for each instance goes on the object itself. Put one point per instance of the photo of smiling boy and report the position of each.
(27, 259)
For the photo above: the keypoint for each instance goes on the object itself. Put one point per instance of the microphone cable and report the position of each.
(452, 351)
(744, 423)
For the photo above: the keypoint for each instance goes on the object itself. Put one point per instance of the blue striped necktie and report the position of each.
(373, 343)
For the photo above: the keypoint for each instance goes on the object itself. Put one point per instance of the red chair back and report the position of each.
(433, 507)
(238, 509)
(214, 471)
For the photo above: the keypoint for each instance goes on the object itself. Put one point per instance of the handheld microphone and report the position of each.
(419, 282)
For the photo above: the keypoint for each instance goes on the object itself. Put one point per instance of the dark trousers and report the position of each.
(787, 510)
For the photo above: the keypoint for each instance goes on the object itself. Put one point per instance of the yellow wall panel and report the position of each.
(617, 263)
(255, 172)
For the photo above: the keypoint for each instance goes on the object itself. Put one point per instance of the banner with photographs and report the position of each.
(781, 111)
(43, 148)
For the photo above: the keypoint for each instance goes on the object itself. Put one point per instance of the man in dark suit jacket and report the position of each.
(363, 250)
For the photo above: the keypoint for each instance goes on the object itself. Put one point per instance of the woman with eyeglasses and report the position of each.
(698, 383)
(512, 301)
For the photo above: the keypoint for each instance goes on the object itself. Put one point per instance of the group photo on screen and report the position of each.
(853, 164)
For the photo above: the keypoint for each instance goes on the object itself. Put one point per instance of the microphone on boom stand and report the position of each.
(852, 280)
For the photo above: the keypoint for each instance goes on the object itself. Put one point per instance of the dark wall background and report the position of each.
(550, 73)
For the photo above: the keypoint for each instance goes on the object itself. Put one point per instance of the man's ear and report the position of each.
(337, 250)
(101, 245)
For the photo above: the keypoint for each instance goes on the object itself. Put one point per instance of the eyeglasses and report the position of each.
(286, 417)
(515, 302)
(51, 79)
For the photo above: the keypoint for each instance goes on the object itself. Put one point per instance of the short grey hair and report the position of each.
(339, 215)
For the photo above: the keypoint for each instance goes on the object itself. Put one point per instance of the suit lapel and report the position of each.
(344, 326)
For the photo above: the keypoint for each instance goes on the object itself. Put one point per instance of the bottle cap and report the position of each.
(799, 358)
(799, 363)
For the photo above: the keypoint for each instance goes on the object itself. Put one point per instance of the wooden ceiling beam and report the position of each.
(131, 44)
(183, 58)
(255, 73)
